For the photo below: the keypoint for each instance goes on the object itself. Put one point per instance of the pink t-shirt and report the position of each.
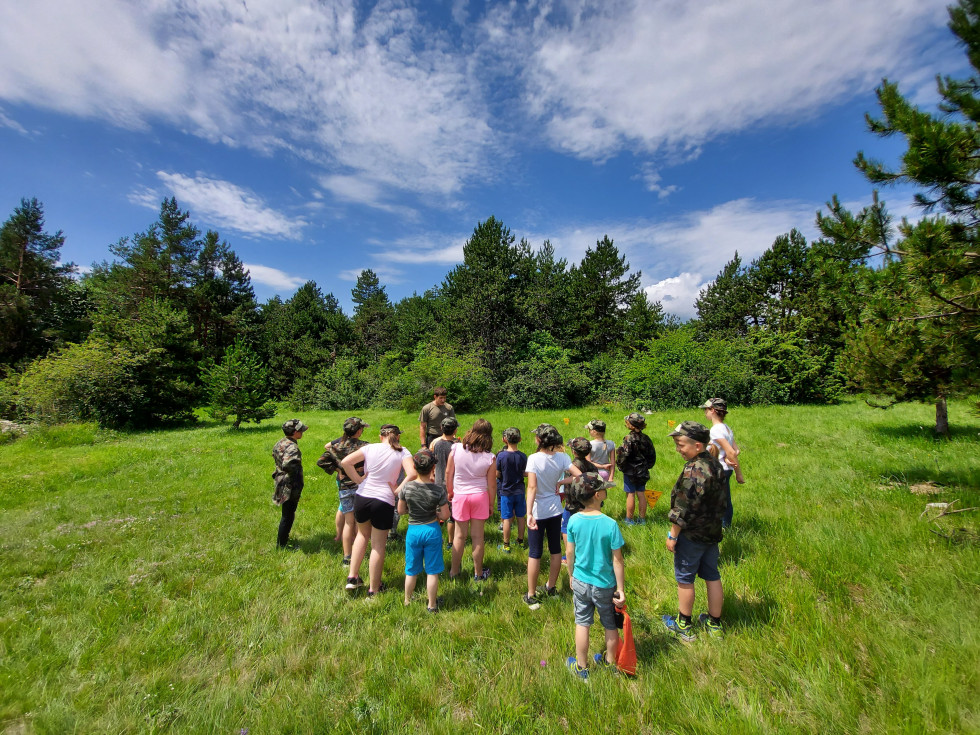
(381, 466)
(471, 470)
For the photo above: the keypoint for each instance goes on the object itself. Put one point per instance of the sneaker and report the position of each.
(449, 546)
(712, 629)
(504, 548)
(382, 588)
(346, 561)
(549, 591)
(353, 583)
(572, 663)
(432, 609)
(640, 522)
(629, 522)
(564, 561)
(521, 543)
(684, 632)
(482, 577)
(532, 602)
(600, 660)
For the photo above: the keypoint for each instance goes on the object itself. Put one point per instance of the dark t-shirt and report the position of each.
(423, 500)
(510, 471)
(432, 416)
(442, 449)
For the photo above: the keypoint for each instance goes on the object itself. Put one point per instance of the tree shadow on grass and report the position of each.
(922, 432)
(741, 613)
(318, 543)
(744, 537)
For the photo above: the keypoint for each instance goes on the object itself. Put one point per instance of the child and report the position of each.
(511, 471)
(544, 476)
(603, 450)
(424, 501)
(471, 479)
(329, 462)
(696, 509)
(635, 459)
(595, 564)
(722, 438)
(581, 449)
(441, 447)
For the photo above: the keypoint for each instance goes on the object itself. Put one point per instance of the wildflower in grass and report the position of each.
(671, 424)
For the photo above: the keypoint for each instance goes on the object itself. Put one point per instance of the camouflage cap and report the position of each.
(353, 425)
(719, 404)
(292, 426)
(636, 420)
(389, 429)
(512, 435)
(597, 425)
(542, 427)
(548, 437)
(424, 460)
(581, 446)
(449, 425)
(692, 430)
(586, 485)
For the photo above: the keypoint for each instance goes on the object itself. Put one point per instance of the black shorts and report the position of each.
(535, 539)
(380, 514)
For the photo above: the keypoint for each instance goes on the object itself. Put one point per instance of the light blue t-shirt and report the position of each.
(595, 538)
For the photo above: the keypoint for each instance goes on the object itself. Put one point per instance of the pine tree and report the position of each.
(238, 386)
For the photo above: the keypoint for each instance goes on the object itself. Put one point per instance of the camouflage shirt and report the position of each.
(697, 502)
(289, 470)
(336, 450)
(637, 455)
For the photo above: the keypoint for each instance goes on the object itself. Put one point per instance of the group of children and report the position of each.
(557, 498)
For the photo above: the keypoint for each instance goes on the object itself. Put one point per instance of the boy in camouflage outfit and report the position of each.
(635, 459)
(288, 476)
(329, 462)
(697, 504)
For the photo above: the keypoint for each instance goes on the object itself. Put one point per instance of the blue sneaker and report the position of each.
(629, 522)
(600, 660)
(572, 663)
(641, 521)
(683, 631)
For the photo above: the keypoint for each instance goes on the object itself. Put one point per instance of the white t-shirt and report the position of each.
(721, 431)
(382, 464)
(548, 468)
(600, 451)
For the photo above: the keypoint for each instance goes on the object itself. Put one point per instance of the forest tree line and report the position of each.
(171, 321)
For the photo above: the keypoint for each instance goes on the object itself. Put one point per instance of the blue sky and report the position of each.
(320, 138)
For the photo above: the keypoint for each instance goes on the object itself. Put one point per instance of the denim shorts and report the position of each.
(423, 549)
(589, 598)
(512, 506)
(347, 500)
(633, 484)
(693, 559)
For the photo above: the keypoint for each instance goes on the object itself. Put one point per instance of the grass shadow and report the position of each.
(317, 543)
(925, 432)
(740, 613)
(744, 537)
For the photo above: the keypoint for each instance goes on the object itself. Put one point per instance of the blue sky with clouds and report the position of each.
(320, 138)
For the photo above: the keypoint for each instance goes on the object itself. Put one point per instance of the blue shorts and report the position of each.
(565, 515)
(347, 500)
(633, 484)
(423, 549)
(693, 559)
(512, 505)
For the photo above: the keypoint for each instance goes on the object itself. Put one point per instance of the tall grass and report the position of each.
(140, 592)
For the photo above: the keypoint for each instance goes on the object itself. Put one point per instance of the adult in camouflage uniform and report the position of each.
(288, 476)
(635, 459)
(697, 504)
(334, 452)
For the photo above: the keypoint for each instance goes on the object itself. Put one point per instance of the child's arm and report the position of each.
(492, 484)
(612, 464)
(731, 453)
(532, 491)
(402, 507)
(442, 512)
(450, 474)
(619, 569)
(410, 474)
(570, 556)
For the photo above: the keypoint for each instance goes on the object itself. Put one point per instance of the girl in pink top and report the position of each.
(471, 480)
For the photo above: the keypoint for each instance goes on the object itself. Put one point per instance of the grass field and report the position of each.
(140, 592)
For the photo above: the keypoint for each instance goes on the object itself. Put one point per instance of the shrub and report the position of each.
(547, 378)
(238, 386)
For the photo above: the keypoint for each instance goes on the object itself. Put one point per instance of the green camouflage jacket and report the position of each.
(697, 502)
(336, 450)
(636, 456)
(289, 470)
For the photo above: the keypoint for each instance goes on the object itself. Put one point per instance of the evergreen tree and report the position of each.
(238, 386)
(374, 322)
(724, 306)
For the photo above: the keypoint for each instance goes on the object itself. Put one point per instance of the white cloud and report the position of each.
(385, 275)
(362, 190)
(606, 75)
(223, 204)
(8, 122)
(678, 294)
(273, 277)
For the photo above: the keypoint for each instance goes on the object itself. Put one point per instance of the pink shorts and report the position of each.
(475, 506)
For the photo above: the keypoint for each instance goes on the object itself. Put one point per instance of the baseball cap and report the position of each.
(717, 403)
(353, 424)
(449, 424)
(542, 427)
(580, 445)
(692, 430)
(424, 460)
(548, 436)
(292, 426)
(637, 420)
(586, 485)
(512, 435)
(596, 425)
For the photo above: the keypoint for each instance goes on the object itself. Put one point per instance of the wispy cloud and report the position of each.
(8, 122)
(385, 275)
(273, 277)
(223, 204)
(362, 190)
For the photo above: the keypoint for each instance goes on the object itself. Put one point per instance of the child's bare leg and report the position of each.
(450, 531)
(410, 587)
(359, 548)
(348, 534)
(554, 569)
(643, 503)
(338, 523)
(507, 531)
(459, 543)
(533, 572)
(685, 598)
(379, 537)
(630, 504)
(612, 645)
(716, 598)
(432, 589)
(582, 645)
(522, 528)
(476, 536)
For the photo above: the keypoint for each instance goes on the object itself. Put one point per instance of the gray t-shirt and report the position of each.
(432, 416)
(600, 450)
(423, 500)
(441, 448)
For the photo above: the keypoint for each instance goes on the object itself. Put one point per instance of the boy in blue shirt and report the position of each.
(511, 471)
(595, 564)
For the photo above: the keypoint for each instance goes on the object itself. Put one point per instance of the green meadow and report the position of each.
(141, 592)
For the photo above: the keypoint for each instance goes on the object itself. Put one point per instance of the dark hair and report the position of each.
(480, 437)
(439, 392)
